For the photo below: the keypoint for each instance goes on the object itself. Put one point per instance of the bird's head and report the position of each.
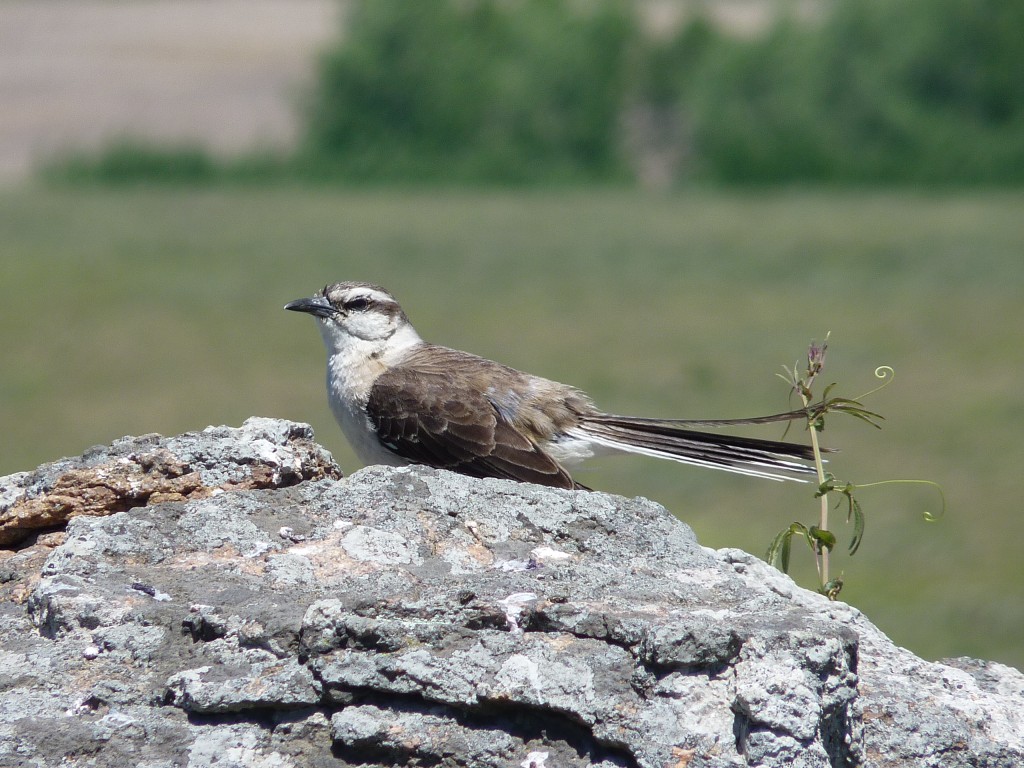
(351, 312)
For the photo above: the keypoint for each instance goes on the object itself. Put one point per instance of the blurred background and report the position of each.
(661, 202)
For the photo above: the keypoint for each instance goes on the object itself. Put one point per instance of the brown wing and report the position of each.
(434, 409)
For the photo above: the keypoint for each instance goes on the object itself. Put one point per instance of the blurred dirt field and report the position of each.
(224, 73)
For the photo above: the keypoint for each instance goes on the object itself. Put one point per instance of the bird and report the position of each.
(401, 400)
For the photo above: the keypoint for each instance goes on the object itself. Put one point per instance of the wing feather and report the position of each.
(433, 409)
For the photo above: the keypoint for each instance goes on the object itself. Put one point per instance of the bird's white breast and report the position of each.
(351, 372)
(348, 387)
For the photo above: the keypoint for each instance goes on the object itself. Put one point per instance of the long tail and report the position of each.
(671, 439)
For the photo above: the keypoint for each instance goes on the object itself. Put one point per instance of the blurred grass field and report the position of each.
(135, 310)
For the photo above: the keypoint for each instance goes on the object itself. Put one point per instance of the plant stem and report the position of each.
(821, 560)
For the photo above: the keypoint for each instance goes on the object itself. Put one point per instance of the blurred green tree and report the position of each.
(539, 91)
(474, 90)
(924, 91)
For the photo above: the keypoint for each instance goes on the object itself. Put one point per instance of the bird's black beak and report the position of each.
(315, 305)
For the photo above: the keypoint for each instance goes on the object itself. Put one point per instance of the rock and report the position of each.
(272, 684)
(412, 616)
(136, 471)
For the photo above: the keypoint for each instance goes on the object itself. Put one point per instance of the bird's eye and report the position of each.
(358, 304)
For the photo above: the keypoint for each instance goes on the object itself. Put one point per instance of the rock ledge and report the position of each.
(416, 617)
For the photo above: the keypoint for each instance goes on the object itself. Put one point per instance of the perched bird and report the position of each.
(400, 400)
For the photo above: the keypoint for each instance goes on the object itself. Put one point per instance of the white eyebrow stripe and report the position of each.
(378, 297)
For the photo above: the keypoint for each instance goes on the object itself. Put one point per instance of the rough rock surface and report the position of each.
(416, 617)
(136, 471)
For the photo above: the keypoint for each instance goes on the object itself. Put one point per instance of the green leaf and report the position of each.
(842, 405)
(866, 416)
(843, 401)
(827, 486)
(781, 547)
(858, 524)
(823, 538)
(778, 551)
(786, 546)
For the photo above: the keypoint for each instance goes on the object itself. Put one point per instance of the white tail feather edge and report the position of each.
(750, 471)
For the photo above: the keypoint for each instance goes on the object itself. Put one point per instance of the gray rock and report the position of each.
(135, 471)
(411, 616)
(270, 684)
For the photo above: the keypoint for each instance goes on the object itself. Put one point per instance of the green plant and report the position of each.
(921, 91)
(820, 538)
(130, 161)
(472, 91)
